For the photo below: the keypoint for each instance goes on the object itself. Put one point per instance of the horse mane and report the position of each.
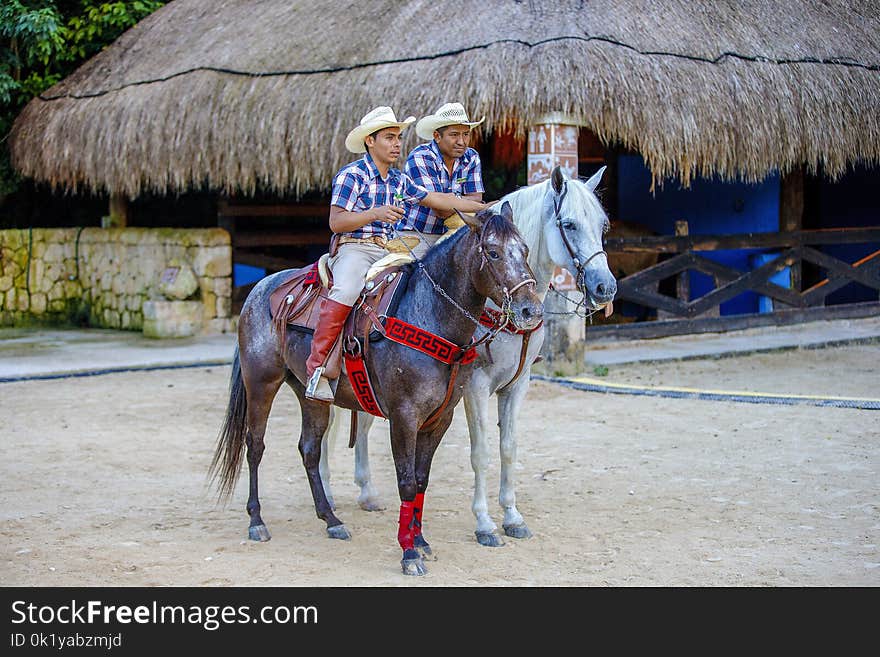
(528, 204)
(495, 223)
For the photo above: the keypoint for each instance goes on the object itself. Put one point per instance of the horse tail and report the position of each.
(226, 464)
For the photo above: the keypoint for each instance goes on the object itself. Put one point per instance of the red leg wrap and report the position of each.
(405, 534)
(418, 507)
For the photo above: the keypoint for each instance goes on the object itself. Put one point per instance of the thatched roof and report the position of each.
(235, 94)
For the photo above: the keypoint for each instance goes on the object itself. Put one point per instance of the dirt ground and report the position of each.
(104, 484)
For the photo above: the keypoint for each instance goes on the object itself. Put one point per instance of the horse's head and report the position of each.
(573, 231)
(500, 270)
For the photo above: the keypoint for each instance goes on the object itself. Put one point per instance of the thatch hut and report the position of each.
(255, 97)
(236, 95)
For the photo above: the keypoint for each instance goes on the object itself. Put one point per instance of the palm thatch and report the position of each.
(238, 94)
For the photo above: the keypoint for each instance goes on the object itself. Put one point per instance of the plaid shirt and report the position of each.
(425, 166)
(358, 187)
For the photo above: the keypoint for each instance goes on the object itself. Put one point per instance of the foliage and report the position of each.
(42, 41)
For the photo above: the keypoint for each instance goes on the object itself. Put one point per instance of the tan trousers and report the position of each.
(349, 267)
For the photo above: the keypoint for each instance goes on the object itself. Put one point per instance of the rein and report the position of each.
(424, 341)
(503, 318)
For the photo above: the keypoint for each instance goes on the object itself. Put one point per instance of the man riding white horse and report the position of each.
(446, 163)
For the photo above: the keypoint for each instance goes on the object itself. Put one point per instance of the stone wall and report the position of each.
(102, 277)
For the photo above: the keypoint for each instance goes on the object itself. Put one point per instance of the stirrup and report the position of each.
(318, 388)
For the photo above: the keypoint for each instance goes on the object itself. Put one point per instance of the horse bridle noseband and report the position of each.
(580, 268)
(504, 316)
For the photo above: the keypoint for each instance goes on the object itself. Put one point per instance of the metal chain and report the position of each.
(583, 315)
(505, 312)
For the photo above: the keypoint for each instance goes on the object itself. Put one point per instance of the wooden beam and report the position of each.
(226, 209)
(286, 237)
(670, 244)
(658, 329)
(266, 261)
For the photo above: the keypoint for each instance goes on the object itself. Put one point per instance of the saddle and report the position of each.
(296, 302)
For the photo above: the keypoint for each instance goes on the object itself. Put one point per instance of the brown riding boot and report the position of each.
(330, 321)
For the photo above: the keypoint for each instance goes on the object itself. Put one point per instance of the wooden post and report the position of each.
(791, 212)
(118, 212)
(683, 282)
(225, 219)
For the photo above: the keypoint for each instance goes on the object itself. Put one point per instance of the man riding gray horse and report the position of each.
(367, 199)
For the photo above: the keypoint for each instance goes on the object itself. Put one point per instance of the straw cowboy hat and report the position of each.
(376, 119)
(448, 114)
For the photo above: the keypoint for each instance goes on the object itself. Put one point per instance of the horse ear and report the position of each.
(506, 211)
(557, 179)
(473, 221)
(593, 182)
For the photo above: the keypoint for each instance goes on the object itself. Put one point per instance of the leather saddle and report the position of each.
(296, 301)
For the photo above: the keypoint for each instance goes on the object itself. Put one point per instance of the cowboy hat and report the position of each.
(447, 114)
(376, 119)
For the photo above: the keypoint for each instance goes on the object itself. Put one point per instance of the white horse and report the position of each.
(562, 222)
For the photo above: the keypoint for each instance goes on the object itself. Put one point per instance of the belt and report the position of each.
(378, 240)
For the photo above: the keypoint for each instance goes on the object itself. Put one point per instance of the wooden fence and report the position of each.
(679, 254)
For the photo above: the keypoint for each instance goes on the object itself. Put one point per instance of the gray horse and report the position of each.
(442, 297)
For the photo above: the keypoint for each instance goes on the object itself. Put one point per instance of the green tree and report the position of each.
(42, 41)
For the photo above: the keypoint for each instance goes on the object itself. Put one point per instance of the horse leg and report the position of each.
(426, 445)
(326, 447)
(315, 419)
(403, 449)
(476, 406)
(368, 499)
(509, 403)
(260, 397)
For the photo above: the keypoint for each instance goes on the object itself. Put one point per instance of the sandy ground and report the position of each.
(104, 484)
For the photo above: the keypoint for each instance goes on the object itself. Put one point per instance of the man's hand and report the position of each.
(390, 214)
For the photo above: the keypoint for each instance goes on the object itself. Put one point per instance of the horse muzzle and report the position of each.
(526, 314)
(598, 291)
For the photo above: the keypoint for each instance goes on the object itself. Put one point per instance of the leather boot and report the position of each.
(330, 321)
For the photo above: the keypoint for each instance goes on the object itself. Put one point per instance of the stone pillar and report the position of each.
(553, 140)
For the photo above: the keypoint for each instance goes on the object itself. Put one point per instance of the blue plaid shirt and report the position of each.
(358, 187)
(425, 166)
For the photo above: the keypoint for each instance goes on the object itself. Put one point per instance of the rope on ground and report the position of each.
(595, 385)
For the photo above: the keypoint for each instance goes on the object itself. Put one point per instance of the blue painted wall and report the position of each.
(244, 274)
(709, 207)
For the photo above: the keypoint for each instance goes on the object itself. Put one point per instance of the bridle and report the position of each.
(581, 269)
(508, 294)
(504, 317)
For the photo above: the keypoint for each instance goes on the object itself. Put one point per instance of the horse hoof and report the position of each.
(259, 533)
(338, 531)
(424, 549)
(517, 531)
(370, 505)
(489, 539)
(413, 564)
